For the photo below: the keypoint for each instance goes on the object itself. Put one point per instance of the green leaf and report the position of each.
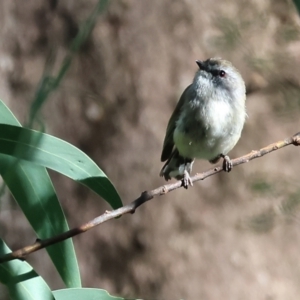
(85, 293)
(53, 153)
(297, 4)
(49, 84)
(22, 281)
(32, 188)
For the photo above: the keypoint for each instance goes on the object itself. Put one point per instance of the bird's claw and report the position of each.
(227, 163)
(186, 180)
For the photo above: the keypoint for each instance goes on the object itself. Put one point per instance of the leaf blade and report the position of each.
(22, 282)
(20, 177)
(84, 293)
(38, 198)
(58, 155)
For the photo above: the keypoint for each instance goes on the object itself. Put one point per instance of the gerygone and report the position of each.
(207, 121)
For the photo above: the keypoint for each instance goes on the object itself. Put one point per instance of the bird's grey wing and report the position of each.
(168, 141)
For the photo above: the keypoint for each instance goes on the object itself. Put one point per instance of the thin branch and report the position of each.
(145, 196)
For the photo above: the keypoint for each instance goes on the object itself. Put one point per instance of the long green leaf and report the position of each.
(32, 188)
(56, 154)
(49, 84)
(85, 293)
(297, 4)
(22, 281)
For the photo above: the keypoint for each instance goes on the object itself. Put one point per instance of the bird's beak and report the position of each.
(200, 64)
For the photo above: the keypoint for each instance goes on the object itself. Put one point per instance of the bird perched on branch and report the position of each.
(207, 121)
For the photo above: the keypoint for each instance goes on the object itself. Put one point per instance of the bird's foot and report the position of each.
(186, 180)
(227, 163)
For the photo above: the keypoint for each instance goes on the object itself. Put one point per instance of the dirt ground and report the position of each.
(232, 236)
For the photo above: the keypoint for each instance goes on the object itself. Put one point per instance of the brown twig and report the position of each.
(145, 196)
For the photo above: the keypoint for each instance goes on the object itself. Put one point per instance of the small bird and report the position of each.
(207, 121)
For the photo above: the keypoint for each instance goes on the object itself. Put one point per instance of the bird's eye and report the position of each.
(222, 73)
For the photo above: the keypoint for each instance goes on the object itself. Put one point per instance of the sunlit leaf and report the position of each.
(85, 293)
(53, 153)
(32, 188)
(22, 282)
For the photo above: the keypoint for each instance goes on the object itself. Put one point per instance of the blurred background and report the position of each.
(232, 236)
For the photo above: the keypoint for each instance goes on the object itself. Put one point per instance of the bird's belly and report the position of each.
(192, 147)
(204, 145)
(208, 132)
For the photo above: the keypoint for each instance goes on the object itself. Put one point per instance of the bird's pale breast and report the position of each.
(208, 131)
